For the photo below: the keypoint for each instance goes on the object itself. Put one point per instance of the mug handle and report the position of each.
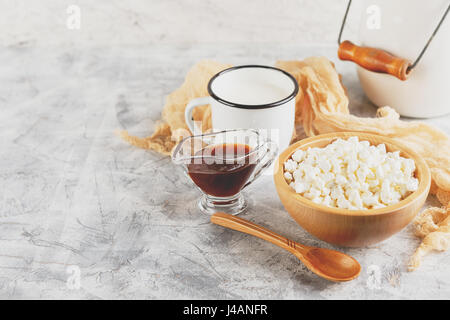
(266, 161)
(188, 113)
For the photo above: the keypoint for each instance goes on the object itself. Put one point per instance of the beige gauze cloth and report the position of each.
(173, 128)
(321, 107)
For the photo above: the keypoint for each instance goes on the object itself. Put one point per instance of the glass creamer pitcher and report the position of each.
(221, 164)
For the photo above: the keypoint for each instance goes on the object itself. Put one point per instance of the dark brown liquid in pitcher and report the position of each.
(218, 172)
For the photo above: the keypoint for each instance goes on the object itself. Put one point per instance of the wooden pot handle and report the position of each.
(374, 59)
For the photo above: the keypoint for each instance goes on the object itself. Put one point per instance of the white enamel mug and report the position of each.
(251, 97)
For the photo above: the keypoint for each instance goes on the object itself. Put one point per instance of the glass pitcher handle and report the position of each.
(266, 161)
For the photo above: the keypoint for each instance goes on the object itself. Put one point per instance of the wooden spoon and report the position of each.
(329, 264)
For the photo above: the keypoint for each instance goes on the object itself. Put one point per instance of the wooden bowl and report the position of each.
(352, 228)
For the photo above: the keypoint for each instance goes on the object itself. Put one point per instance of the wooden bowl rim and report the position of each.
(421, 168)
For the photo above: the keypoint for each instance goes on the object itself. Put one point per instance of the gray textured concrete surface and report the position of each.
(76, 202)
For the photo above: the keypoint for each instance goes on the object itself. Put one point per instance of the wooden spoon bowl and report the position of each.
(352, 228)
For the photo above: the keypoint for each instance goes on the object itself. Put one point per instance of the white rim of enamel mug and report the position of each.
(253, 106)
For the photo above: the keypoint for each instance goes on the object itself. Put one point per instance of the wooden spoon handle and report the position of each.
(242, 225)
(374, 59)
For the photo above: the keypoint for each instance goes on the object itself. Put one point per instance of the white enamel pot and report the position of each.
(403, 29)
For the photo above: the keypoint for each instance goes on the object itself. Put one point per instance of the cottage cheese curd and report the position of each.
(351, 174)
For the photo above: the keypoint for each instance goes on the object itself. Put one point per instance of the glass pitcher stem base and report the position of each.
(232, 205)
